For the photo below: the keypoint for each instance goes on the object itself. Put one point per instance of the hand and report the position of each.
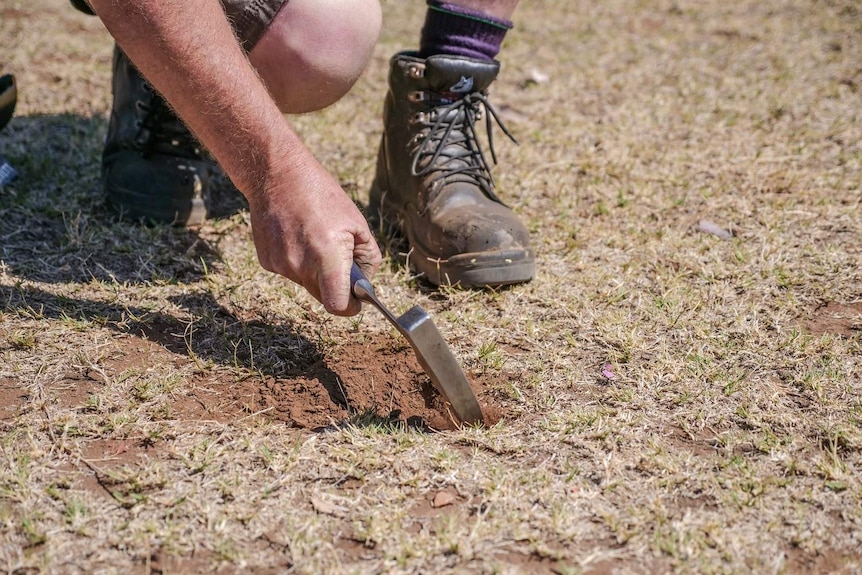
(307, 229)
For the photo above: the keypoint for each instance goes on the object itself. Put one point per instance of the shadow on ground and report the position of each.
(214, 335)
(55, 227)
(244, 367)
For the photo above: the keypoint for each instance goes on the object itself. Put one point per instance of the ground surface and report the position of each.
(680, 388)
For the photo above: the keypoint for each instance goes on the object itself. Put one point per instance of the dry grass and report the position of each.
(729, 441)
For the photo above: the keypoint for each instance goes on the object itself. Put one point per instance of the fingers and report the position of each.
(321, 264)
(334, 278)
(366, 253)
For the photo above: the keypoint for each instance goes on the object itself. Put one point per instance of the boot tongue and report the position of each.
(457, 75)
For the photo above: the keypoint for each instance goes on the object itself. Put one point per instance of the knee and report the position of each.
(315, 50)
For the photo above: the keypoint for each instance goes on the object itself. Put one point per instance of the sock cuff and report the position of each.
(456, 10)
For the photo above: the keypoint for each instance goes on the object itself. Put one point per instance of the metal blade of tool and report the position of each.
(430, 348)
(440, 364)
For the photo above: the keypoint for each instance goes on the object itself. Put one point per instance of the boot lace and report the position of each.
(450, 150)
(161, 132)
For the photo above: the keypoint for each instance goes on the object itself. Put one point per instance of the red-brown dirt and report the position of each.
(365, 382)
(837, 319)
(375, 380)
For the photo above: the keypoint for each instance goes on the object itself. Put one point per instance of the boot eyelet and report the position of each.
(418, 96)
(416, 71)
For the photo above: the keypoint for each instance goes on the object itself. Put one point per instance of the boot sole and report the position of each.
(471, 270)
(477, 270)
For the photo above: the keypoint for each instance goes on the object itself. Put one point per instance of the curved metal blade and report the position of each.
(430, 348)
(440, 364)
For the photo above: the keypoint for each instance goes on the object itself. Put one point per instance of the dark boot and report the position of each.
(434, 182)
(8, 98)
(152, 167)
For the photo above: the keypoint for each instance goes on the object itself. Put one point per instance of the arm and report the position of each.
(305, 227)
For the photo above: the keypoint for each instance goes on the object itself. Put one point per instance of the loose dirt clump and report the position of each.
(372, 380)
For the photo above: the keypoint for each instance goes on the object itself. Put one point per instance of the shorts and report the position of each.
(249, 18)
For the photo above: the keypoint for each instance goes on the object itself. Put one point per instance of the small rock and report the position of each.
(443, 498)
(538, 76)
(709, 227)
(328, 507)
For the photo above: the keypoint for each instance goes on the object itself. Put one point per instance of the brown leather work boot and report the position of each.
(433, 181)
(152, 166)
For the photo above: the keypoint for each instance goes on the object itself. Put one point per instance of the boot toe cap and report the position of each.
(489, 228)
(159, 189)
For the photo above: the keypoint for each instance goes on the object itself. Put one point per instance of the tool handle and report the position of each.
(364, 291)
(360, 286)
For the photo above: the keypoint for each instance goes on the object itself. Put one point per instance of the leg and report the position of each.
(308, 53)
(315, 50)
(433, 180)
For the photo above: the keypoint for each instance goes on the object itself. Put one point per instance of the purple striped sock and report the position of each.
(458, 31)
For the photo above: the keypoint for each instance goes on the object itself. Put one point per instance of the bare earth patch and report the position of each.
(836, 319)
(375, 381)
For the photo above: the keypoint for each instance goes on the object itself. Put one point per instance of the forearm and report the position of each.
(304, 226)
(187, 50)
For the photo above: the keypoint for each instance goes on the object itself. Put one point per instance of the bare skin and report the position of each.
(305, 227)
(313, 51)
